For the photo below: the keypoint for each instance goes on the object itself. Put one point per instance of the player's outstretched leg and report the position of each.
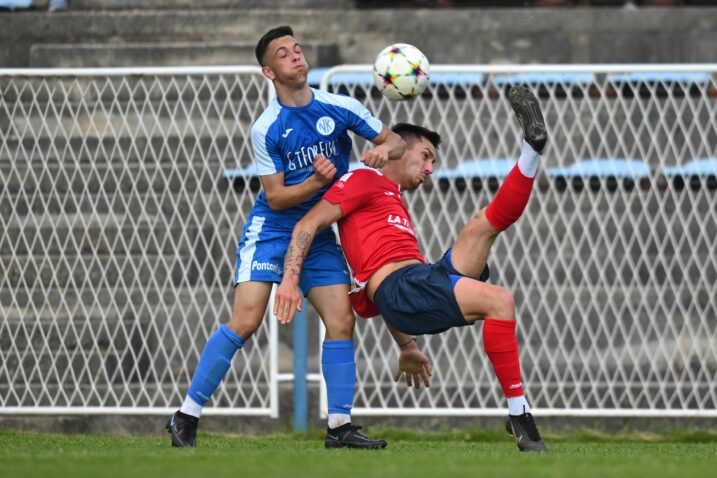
(513, 195)
(527, 109)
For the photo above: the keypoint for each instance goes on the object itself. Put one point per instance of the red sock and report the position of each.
(509, 203)
(502, 348)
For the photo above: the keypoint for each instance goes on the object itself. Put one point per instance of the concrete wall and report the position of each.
(574, 35)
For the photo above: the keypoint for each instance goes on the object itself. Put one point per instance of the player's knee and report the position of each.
(479, 228)
(245, 322)
(479, 225)
(340, 327)
(504, 304)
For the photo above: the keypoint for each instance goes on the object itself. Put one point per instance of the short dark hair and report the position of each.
(268, 37)
(411, 132)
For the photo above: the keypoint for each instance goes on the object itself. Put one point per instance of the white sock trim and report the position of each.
(528, 161)
(518, 406)
(190, 407)
(338, 419)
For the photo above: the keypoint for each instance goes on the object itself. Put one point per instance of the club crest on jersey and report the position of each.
(325, 125)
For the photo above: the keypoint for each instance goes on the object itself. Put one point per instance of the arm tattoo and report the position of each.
(295, 258)
(303, 240)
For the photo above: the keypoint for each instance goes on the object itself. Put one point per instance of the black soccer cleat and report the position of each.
(525, 432)
(348, 436)
(527, 109)
(183, 428)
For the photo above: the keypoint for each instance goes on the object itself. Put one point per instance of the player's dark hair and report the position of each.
(411, 133)
(268, 37)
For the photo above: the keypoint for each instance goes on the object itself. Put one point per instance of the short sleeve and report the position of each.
(352, 190)
(268, 159)
(363, 122)
(358, 118)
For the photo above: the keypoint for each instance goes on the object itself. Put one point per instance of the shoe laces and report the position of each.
(528, 424)
(353, 429)
(188, 425)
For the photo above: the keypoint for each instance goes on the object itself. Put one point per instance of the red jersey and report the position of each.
(375, 229)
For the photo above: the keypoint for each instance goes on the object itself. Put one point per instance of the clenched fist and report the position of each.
(324, 170)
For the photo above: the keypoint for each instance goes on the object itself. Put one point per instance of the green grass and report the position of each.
(436, 455)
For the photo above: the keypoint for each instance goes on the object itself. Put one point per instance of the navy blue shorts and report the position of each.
(419, 299)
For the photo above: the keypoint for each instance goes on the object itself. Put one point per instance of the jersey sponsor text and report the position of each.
(266, 266)
(304, 157)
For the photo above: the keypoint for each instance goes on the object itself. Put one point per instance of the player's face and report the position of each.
(418, 163)
(285, 61)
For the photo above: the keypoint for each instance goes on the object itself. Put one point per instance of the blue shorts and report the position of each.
(260, 256)
(419, 299)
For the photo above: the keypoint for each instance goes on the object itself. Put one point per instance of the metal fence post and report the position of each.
(301, 395)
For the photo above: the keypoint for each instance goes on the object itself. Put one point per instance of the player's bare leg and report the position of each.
(470, 251)
(338, 365)
(334, 308)
(250, 301)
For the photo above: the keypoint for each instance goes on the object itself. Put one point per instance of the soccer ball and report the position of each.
(401, 71)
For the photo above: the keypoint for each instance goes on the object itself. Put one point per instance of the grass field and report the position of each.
(438, 455)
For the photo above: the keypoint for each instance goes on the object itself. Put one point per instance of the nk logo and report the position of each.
(325, 125)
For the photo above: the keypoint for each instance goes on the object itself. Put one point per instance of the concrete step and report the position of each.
(79, 243)
(117, 117)
(77, 234)
(227, 27)
(149, 212)
(595, 35)
(204, 5)
(157, 208)
(45, 303)
(311, 24)
(97, 101)
(87, 55)
(99, 149)
(133, 180)
(71, 270)
(141, 387)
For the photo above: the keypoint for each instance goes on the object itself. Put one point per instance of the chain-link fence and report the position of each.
(118, 230)
(117, 237)
(613, 264)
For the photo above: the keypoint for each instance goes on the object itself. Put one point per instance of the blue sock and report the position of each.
(214, 363)
(339, 367)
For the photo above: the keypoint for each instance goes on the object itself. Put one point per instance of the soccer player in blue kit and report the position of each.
(301, 146)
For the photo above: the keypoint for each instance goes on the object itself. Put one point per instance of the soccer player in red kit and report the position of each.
(392, 278)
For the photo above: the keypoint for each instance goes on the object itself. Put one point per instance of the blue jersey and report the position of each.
(286, 140)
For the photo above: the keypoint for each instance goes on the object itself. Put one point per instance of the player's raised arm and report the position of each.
(288, 297)
(389, 145)
(280, 196)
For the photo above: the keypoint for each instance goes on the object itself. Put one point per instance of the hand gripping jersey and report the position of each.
(287, 139)
(375, 229)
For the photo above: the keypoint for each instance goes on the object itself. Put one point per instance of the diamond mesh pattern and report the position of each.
(117, 237)
(614, 278)
(117, 233)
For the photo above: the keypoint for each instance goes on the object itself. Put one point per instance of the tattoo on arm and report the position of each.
(303, 240)
(289, 259)
(295, 258)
